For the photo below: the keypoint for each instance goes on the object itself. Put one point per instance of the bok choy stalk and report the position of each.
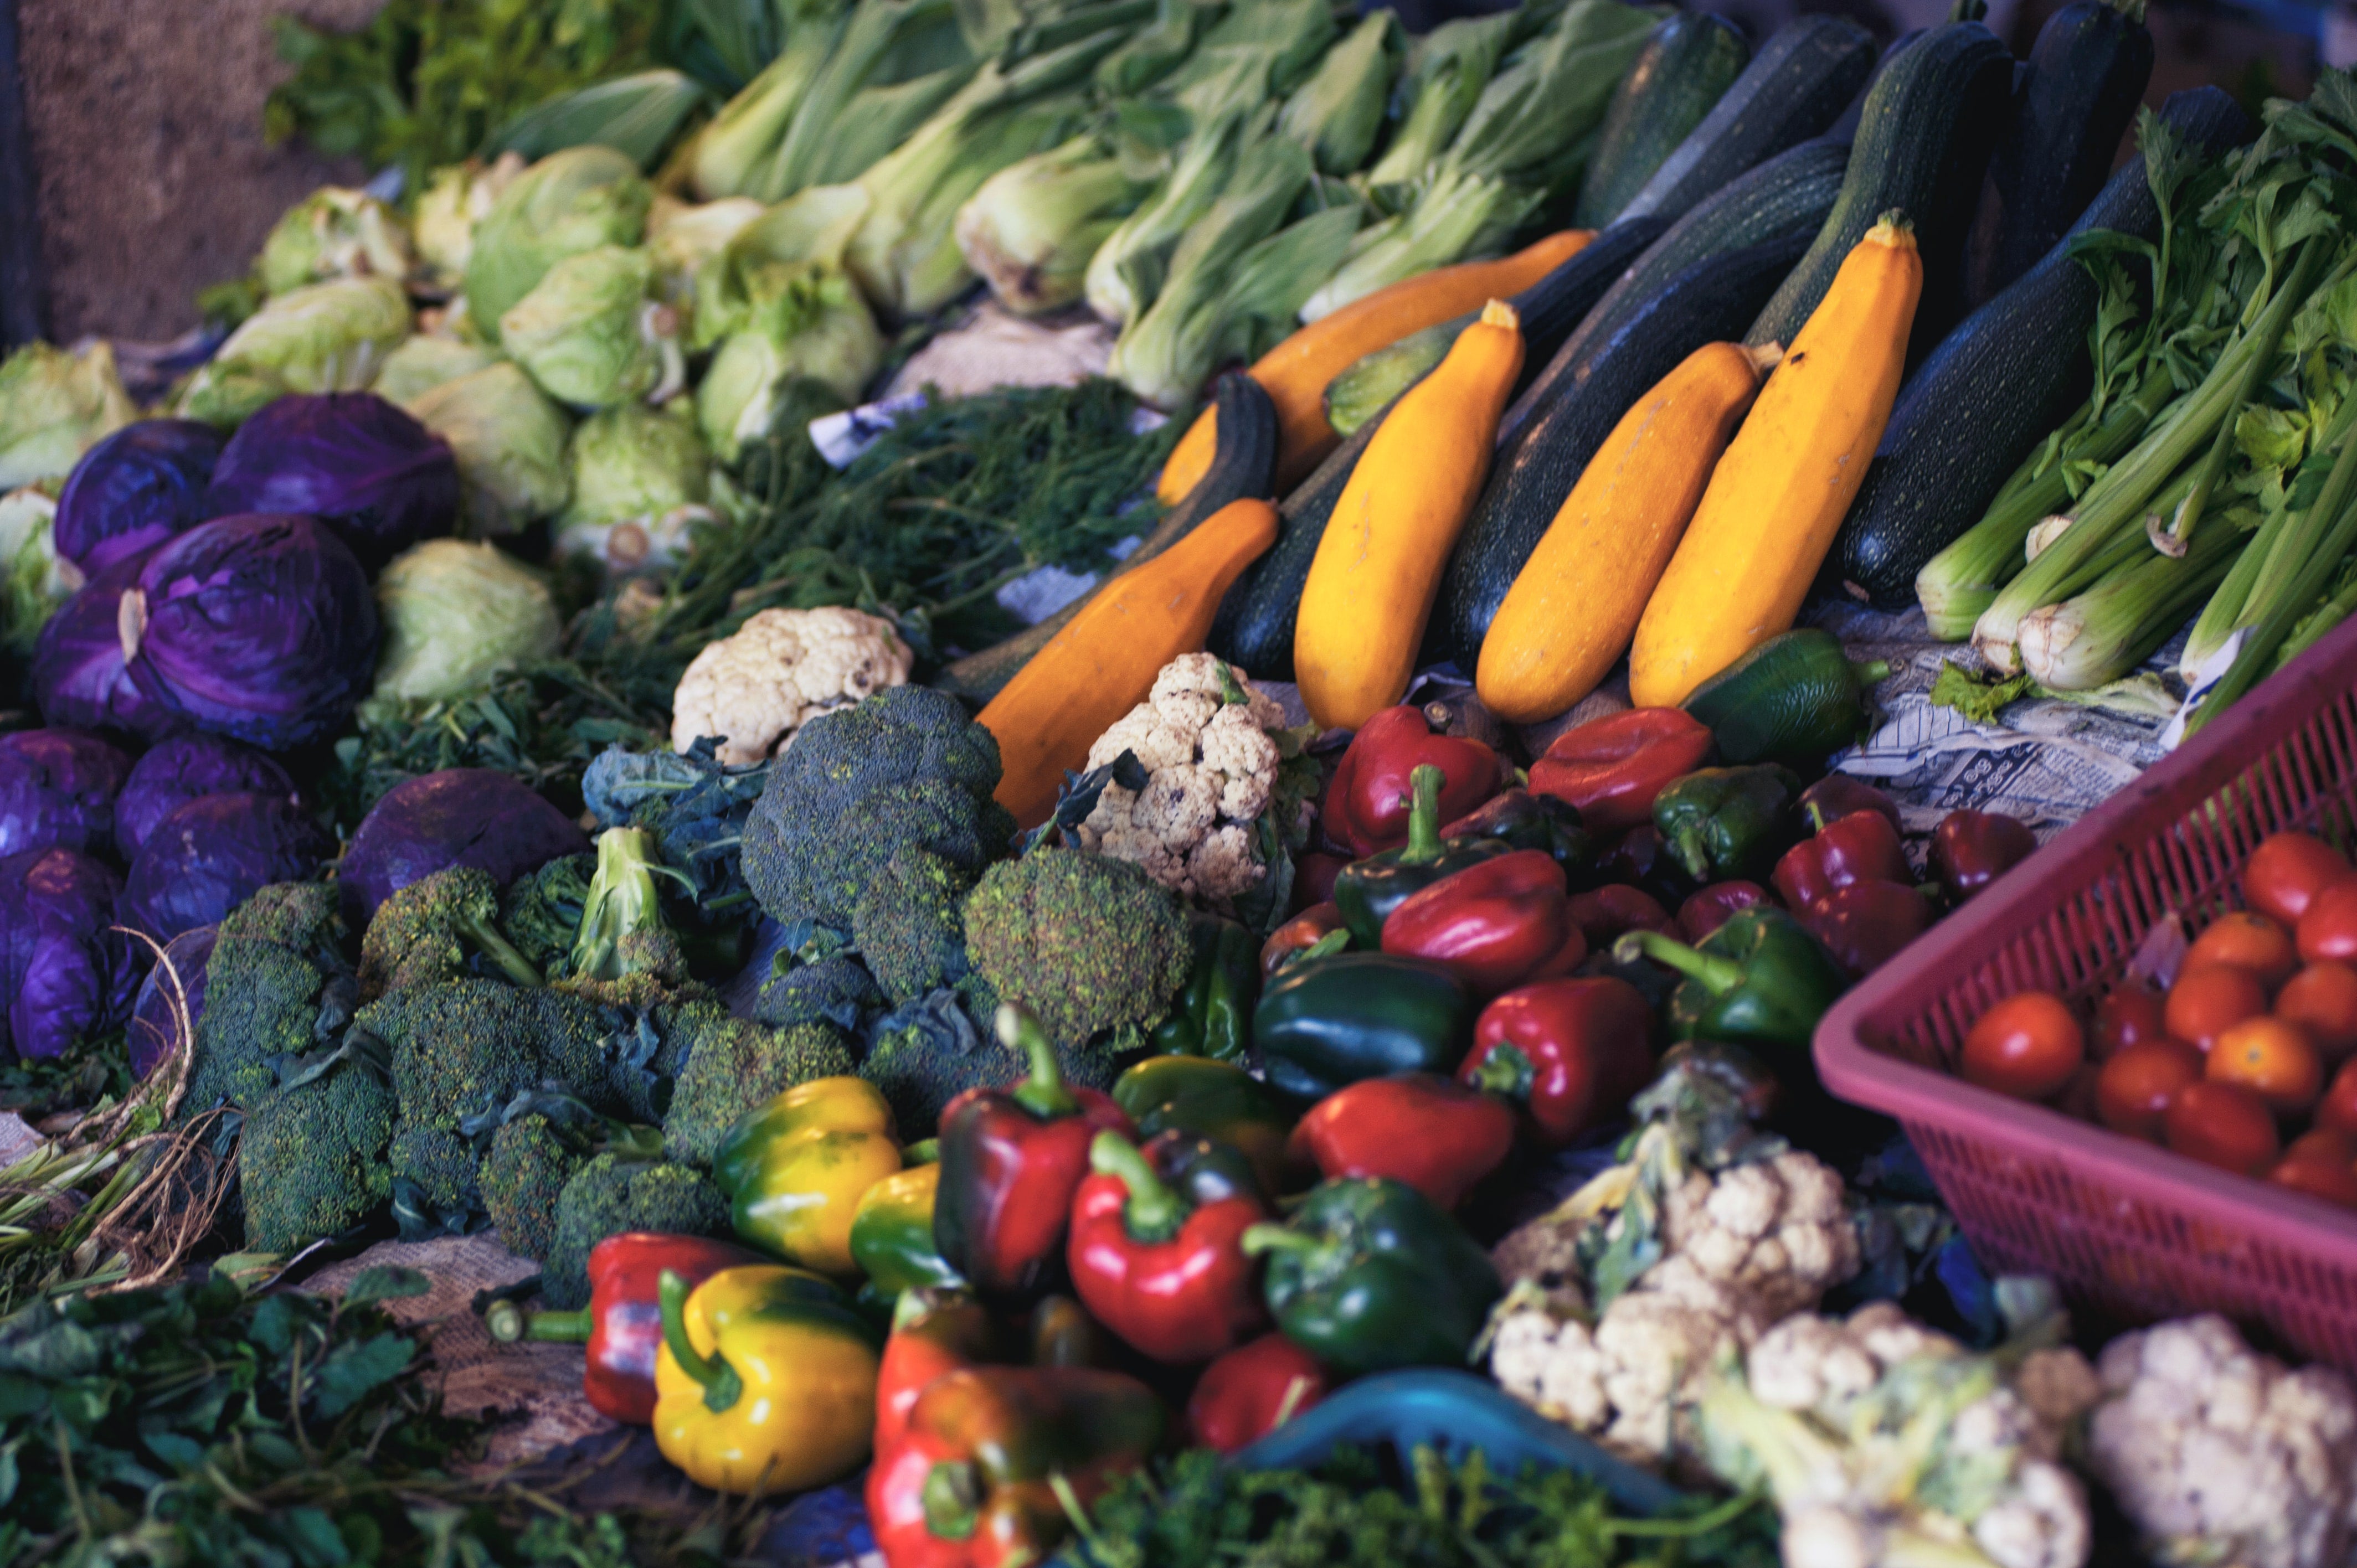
(1259, 52)
(729, 153)
(1447, 71)
(1458, 215)
(1126, 273)
(1338, 112)
(2099, 635)
(1157, 49)
(1032, 227)
(894, 65)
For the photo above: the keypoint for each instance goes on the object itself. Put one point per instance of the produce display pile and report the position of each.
(1162, 1081)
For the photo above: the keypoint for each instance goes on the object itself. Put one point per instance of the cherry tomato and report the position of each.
(2317, 1178)
(2132, 1092)
(2322, 999)
(2246, 941)
(2130, 1014)
(2323, 1143)
(2272, 1058)
(2222, 1124)
(2329, 928)
(2205, 1003)
(2288, 870)
(2027, 1045)
(2337, 1111)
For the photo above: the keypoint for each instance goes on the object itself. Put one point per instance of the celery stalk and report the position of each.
(2335, 610)
(2106, 630)
(2257, 658)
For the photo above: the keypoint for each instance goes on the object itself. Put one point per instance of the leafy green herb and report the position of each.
(1978, 700)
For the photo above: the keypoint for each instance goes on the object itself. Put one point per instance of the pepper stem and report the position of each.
(1718, 975)
(1505, 1070)
(721, 1384)
(509, 1323)
(951, 1498)
(1870, 671)
(1692, 853)
(1269, 1237)
(1154, 1212)
(924, 1152)
(1043, 1093)
(1423, 815)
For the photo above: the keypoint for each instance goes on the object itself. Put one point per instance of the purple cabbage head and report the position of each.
(256, 626)
(68, 973)
(188, 768)
(154, 1020)
(79, 679)
(352, 460)
(57, 787)
(135, 489)
(214, 854)
(459, 816)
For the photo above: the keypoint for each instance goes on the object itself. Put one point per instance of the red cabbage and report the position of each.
(155, 1024)
(135, 489)
(188, 768)
(362, 465)
(256, 626)
(459, 816)
(58, 788)
(210, 856)
(78, 674)
(68, 972)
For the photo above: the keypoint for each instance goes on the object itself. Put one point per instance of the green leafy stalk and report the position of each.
(2102, 633)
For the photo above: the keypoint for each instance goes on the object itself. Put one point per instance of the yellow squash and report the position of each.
(1569, 615)
(1777, 498)
(1370, 584)
(1295, 372)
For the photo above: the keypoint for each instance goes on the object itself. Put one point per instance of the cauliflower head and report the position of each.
(779, 671)
(1779, 1231)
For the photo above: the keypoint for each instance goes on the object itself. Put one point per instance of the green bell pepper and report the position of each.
(892, 1232)
(1369, 890)
(1725, 824)
(1794, 699)
(1369, 1274)
(1328, 1022)
(1212, 1016)
(1759, 980)
(1213, 1099)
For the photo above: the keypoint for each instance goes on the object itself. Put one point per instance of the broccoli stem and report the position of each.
(509, 1323)
(1154, 1212)
(622, 901)
(499, 950)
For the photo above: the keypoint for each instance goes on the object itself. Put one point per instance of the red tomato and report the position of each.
(2027, 1045)
(2272, 1058)
(2222, 1124)
(2132, 1092)
(2338, 1110)
(2329, 929)
(2246, 941)
(2317, 1178)
(2322, 999)
(2129, 1015)
(2323, 1143)
(2205, 1003)
(2288, 870)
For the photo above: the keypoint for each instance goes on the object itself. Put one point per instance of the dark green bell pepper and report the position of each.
(1212, 1099)
(1369, 890)
(1212, 1016)
(1328, 1022)
(1759, 980)
(1796, 698)
(1729, 823)
(1369, 1274)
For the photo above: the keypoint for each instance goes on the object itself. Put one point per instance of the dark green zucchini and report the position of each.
(1999, 382)
(1685, 68)
(1923, 147)
(1794, 89)
(1243, 461)
(1707, 303)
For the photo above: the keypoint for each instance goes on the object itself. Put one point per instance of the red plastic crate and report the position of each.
(2129, 1231)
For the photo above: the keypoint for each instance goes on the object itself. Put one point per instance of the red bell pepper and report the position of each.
(1298, 935)
(622, 1324)
(1011, 1160)
(1711, 908)
(1367, 802)
(1605, 913)
(1314, 872)
(1971, 849)
(1251, 1391)
(1612, 767)
(1570, 1052)
(1168, 1274)
(935, 1330)
(1436, 1135)
(1493, 925)
(1860, 847)
(1864, 924)
(1837, 795)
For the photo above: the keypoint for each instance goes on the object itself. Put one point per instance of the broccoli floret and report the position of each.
(433, 1178)
(734, 1066)
(909, 924)
(611, 1195)
(899, 736)
(838, 990)
(540, 912)
(523, 1175)
(311, 1160)
(461, 1052)
(278, 985)
(1090, 944)
(430, 933)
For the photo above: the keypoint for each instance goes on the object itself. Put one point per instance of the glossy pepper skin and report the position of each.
(1642, 860)
(1368, 798)
(1526, 821)
(766, 1381)
(1212, 1099)
(1860, 847)
(622, 1324)
(1725, 823)
(795, 1169)
(1837, 795)
(1864, 924)
(1369, 890)
(1603, 913)
(1611, 768)
(1212, 1016)
(1011, 1160)
(1251, 1391)
(1298, 935)
(1494, 925)
(1759, 981)
(1712, 907)
(1971, 849)
(1166, 1273)
(1332, 1021)
(968, 1482)
(1569, 1052)
(1370, 1274)
(1432, 1133)
(892, 1232)
(935, 1330)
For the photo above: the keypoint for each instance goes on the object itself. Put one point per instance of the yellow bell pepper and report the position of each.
(795, 1168)
(766, 1381)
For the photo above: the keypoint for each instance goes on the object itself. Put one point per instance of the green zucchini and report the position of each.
(1242, 460)
(1684, 69)
(1923, 145)
(1800, 80)
(1794, 699)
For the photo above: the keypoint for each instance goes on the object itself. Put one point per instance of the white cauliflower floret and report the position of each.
(781, 670)
(2215, 1451)
(1780, 1227)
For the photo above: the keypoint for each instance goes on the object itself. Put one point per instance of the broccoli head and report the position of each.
(541, 911)
(734, 1066)
(311, 1159)
(838, 990)
(278, 985)
(909, 924)
(1088, 943)
(611, 1195)
(432, 930)
(925, 1055)
(899, 736)
(461, 1052)
(433, 1179)
(523, 1172)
